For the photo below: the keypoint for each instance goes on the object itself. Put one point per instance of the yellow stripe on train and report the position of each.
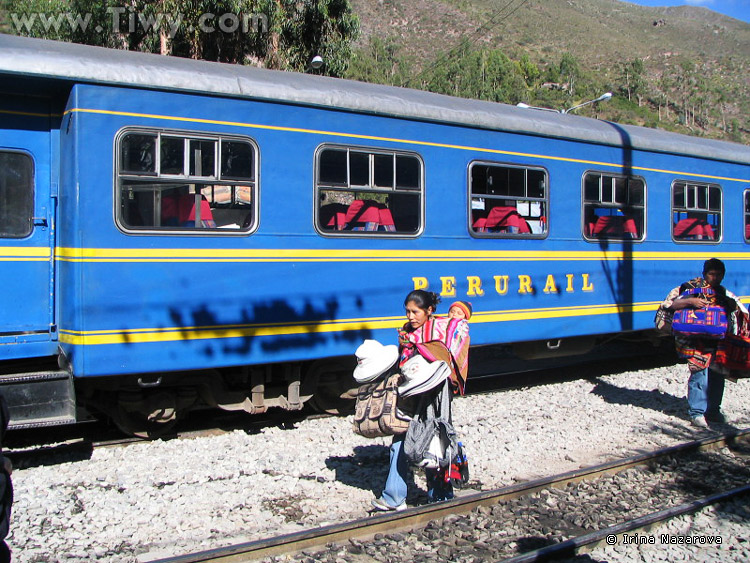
(174, 334)
(67, 254)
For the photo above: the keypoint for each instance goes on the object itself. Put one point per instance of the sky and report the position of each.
(738, 9)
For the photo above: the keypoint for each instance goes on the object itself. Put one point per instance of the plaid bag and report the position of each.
(663, 321)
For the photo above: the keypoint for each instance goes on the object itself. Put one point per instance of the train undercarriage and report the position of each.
(150, 405)
(42, 393)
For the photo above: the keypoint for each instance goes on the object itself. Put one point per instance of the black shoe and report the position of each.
(716, 417)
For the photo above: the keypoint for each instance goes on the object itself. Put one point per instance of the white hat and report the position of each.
(421, 375)
(373, 360)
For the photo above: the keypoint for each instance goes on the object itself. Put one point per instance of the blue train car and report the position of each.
(177, 233)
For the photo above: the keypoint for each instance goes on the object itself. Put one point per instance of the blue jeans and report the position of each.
(705, 391)
(395, 486)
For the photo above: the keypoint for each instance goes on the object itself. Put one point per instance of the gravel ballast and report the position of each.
(149, 500)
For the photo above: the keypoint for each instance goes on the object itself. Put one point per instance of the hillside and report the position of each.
(696, 62)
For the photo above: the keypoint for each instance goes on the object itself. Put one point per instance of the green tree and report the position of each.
(633, 80)
(282, 34)
(317, 27)
(35, 18)
(381, 62)
(529, 70)
(484, 74)
(570, 72)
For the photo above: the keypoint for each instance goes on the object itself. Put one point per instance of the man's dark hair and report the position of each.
(714, 264)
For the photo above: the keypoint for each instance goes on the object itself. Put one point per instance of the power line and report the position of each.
(499, 17)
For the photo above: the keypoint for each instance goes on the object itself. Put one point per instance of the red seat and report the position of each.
(180, 211)
(501, 216)
(689, 229)
(333, 215)
(479, 218)
(618, 226)
(363, 216)
(708, 232)
(386, 219)
(506, 219)
(338, 221)
(480, 225)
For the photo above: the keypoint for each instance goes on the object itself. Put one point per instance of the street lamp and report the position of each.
(527, 106)
(316, 62)
(603, 97)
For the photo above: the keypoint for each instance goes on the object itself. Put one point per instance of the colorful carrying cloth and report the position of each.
(708, 322)
(439, 338)
(733, 353)
(699, 352)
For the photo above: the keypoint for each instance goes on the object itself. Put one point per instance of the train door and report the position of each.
(26, 229)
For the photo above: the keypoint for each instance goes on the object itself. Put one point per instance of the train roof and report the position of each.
(74, 63)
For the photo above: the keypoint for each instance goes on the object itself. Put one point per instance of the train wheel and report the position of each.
(151, 413)
(153, 426)
(335, 388)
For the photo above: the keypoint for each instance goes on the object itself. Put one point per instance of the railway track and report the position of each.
(356, 534)
(613, 535)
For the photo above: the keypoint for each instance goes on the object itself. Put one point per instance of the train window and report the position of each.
(138, 154)
(368, 191)
(16, 194)
(696, 212)
(613, 207)
(747, 215)
(172, 154)
(508, 201)
(202, 158)
(194, 183)
(237, 158)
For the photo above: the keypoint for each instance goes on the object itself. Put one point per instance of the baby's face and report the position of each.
(456, 313)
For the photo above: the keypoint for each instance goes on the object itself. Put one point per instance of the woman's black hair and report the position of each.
(423, 299)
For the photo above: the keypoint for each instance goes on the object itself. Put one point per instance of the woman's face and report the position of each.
(417, 316)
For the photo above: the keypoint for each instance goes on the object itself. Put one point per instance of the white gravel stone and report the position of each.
(150, 500)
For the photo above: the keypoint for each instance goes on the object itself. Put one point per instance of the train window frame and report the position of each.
(695, 211)
(514, 229)
(609, 203)
(20, 208)
(746, 215)
(374, 190)
(233, 199)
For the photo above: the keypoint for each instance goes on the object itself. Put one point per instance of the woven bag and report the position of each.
(710, 322)
(663, 321)
(734, 354)
(376, 413)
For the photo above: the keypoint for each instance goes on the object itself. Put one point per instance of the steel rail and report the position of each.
(569, 548)
(363, 528)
